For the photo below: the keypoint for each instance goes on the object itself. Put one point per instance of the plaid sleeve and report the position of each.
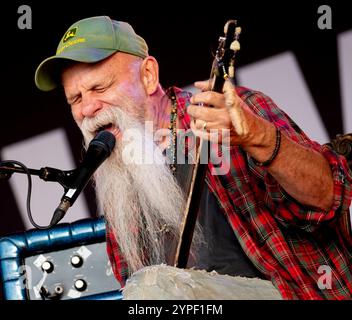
(290, 212)
(287, 210)
(118, 264)
(342, 176)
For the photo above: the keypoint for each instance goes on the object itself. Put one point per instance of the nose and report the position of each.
(90, 106)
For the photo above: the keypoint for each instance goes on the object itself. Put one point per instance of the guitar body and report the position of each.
(161, 282)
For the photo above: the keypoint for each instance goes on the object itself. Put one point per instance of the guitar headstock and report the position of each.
(224, 62)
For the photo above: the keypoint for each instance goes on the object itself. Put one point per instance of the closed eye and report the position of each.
(73, 100)
(99, 89)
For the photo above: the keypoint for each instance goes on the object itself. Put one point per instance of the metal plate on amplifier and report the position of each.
(70, 274)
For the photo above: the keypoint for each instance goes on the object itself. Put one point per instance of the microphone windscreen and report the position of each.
(105, 139)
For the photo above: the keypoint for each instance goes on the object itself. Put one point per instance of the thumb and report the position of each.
(203, 85)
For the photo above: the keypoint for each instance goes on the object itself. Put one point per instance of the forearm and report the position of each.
(302, 172)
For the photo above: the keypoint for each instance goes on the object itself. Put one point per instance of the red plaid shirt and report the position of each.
(294, 246)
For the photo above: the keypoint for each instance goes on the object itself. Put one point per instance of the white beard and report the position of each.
(138, 200)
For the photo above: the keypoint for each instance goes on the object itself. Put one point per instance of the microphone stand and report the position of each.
(65, 178)
(73, 181)
(47, 174)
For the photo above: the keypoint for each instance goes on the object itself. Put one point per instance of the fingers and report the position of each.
(204, 113)
(197, 129)
(203, 85)
(209, 98)
(201, 125)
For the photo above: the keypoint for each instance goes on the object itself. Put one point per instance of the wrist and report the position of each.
(262, 134)
(268, 161)
(265, 145)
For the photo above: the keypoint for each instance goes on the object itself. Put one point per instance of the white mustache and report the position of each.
(103, 118)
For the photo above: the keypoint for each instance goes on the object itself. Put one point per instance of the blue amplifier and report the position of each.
(68, 261)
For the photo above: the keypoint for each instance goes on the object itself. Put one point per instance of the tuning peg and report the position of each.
(228, 23)
(235, 46)
(232, 71)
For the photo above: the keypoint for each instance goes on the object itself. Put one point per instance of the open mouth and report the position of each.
(109, 127)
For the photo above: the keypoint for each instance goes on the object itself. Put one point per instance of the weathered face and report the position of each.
(92, 88)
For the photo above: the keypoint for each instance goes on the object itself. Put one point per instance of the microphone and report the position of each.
(99, 149)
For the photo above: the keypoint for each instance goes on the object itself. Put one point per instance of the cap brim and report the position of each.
(48, 74)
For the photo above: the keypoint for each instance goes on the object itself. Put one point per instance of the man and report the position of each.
(275, 214)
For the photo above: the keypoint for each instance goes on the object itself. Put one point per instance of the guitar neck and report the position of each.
(224, 58)
(191, 209)
(194, 196)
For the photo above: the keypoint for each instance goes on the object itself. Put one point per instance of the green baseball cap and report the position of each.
(89, 40)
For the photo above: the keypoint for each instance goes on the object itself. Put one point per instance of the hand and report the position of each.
(226, 121)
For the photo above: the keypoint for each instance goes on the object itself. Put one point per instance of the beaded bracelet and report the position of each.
(274, 154)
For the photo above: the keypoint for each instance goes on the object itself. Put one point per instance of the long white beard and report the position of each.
(140, 201)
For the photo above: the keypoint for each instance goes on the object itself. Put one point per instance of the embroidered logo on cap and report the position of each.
(69, 34)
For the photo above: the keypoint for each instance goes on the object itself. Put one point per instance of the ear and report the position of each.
(150, 74)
